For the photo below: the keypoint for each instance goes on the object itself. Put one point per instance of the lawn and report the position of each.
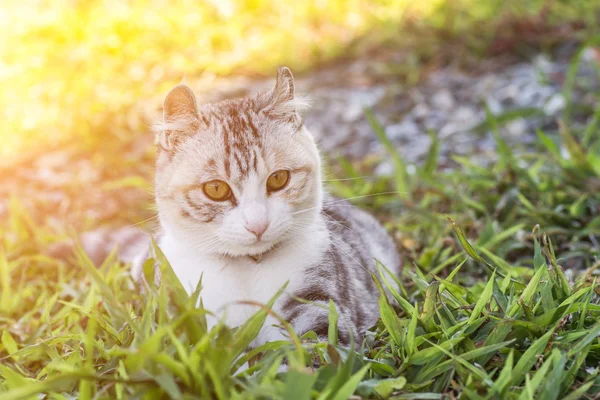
(498, 297)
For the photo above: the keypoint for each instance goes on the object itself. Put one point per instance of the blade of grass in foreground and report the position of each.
(471, 251)
(483, 299)
(246, 333)
(529, 358)
(532, 384)
(388, 315)
(332, 330)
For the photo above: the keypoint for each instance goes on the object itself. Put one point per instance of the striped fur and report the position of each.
(344, 274)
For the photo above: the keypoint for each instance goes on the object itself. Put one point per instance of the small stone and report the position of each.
(404, 130)
(487, 143)
(494, 105)
(449, 129)
(516, 128)
(555, 104)
(467, 116)
(589, 55)
(386, 168)
(443, 99)
(416, 96)
(353, 112)
(374, 147)
(418, 148)
(508, 93)
(526, 95)
(421, 110)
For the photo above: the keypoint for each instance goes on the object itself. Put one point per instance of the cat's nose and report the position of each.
(256, 219)
(257, 227)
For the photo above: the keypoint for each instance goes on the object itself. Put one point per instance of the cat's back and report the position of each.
(344, 274)
(359, 236)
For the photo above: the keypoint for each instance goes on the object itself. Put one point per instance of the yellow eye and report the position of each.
(216, 190)
(278, 180)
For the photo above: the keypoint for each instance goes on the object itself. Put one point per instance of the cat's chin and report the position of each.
(256, 252)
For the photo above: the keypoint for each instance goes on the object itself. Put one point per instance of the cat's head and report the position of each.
(237, 177)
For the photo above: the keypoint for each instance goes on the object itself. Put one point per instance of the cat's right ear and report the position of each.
(180, 103)
(180, 114)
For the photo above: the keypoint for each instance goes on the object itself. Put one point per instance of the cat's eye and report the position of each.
(278, 180)
(217, 190)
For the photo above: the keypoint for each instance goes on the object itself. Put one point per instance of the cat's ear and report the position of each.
(282, 101)
(180, 113)
(180, 102)
(284, 86)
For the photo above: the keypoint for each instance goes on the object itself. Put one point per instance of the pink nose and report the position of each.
(257, 228)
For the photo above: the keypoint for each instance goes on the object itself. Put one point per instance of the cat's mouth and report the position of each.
(258, 254)
(255, 250)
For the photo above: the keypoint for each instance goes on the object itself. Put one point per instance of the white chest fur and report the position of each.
(226, 281)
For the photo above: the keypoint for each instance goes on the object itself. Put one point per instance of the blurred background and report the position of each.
(81, 82)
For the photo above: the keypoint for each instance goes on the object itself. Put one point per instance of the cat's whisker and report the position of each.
(142, 222)
(332, 220)
(330, 203)
(206, 245)
(346, 179)
(211, 243)
(363, 196)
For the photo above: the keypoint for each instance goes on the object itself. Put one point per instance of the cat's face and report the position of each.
(239, 177)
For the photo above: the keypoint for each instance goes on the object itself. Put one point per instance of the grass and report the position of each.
(498, 298)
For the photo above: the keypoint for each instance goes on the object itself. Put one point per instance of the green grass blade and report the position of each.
(332, 330)
(483, 300)
(401, 176)
(529, 358)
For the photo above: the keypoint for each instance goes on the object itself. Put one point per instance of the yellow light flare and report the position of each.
(77, 70)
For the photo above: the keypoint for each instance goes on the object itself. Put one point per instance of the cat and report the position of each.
(241, 203)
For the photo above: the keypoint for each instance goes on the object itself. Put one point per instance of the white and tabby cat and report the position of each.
(241, 203)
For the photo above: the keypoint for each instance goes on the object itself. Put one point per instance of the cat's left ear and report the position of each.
(283, 103)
